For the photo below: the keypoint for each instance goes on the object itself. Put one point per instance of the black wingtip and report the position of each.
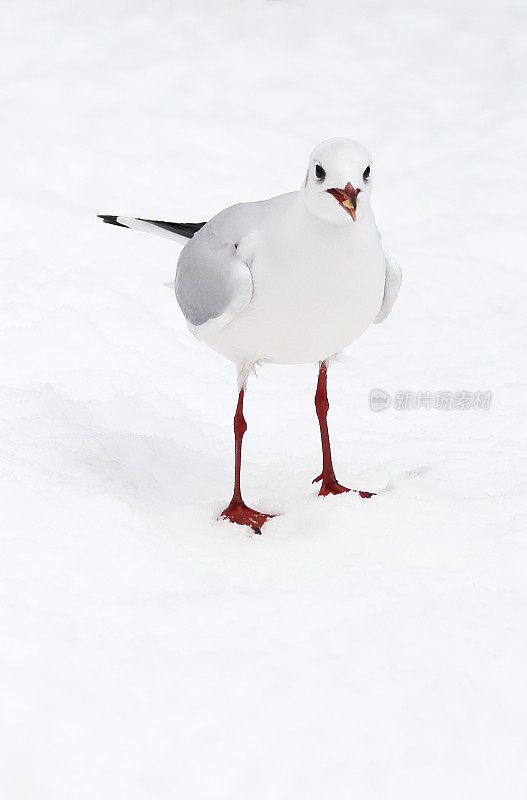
(110, 219)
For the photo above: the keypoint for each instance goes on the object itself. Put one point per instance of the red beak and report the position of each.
(347, 198)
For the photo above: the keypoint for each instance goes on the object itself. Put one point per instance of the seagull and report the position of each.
(289, 280)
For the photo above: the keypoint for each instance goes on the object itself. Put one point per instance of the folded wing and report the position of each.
(392, 285)
(213, 278)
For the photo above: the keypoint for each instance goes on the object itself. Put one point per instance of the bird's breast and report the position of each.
(314, 292)
(313, 300)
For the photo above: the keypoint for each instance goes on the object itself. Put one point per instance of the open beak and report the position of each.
(347, 198)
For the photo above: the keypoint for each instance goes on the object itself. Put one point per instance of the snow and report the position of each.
(363, 649)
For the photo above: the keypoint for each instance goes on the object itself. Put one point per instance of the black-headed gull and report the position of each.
(289, 280)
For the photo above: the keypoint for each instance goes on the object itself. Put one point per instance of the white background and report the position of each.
(362, 649)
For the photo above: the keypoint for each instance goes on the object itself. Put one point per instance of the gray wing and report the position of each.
(392, 284)
(213, 278)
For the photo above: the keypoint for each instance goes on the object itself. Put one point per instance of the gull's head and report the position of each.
(338, 181)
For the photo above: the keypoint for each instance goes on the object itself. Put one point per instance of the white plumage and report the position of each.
(288, 280)
(292, 279)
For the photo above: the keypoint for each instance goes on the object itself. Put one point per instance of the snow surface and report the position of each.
(361, 649)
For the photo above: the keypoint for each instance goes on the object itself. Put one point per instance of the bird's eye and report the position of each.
(366, 174)
(320, 172)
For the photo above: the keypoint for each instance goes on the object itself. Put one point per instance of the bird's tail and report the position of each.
(177, 231)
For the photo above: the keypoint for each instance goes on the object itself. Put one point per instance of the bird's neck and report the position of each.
(300, 216)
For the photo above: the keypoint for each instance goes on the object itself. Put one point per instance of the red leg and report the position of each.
(237, 511)
(329, 483)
